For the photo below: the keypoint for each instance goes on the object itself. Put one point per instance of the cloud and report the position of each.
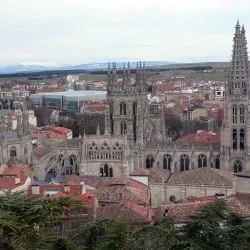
(72, 31)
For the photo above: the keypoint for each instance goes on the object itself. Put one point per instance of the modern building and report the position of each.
(67, 100)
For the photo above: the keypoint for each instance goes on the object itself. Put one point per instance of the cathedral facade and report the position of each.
(15, 140)
(135, 131)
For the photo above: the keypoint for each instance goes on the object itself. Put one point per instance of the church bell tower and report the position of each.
(235, 132)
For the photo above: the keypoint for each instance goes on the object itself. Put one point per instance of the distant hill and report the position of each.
(41, 67)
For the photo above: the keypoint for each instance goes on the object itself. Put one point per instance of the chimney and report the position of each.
(83, 188)
(66, 188)
(35, 189)
(17, 180)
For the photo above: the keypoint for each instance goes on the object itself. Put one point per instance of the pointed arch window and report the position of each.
(167, 159)
(110, 172)
(202, 161)
(106, 171)
(123, 128)
(217, 162)
(123, 108)
(242, 114)
(13, 151)
(237, 166)
(242, 139)
(149, 161)
(184, 162)
(135, 108)
(234, 114)
(235, 140)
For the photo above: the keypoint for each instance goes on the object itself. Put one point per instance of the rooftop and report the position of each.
(202, 177)
(72, 93)
(201, 137)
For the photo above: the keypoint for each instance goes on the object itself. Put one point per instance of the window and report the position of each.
(134, 108)
(101, 172)
(234, 139)
(13, 151)
(184, 162)
(167, 161)
(149, 161)
(242, 139)
(123, 108)
(202, 161)
(106, 171)
(234, 110)
(110, 172)
(237, 166)
(123, 128)
(242, 115)
(217, 162)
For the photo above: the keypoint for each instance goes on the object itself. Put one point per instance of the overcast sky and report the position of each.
(80, 31)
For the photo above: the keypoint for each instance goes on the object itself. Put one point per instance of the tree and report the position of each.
(61, 243)
(204, 228)
(162, 234)
(105, 234)
(25, 221)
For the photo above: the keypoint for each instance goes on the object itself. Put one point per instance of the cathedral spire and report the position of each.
(238, 80)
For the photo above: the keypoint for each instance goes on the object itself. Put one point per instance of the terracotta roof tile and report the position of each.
(155, 175)
(200, 138)
(126, 211)
(202, 176)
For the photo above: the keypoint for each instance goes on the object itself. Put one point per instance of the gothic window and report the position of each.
(234, 139)
(134, 108)
(149, 161)
(242, 114)
(13, 152)
(123, 108)
(61, 160)
(167, 161)
(123, 128)
(72, 164)
(234, 111)
(110, 172)
(242, 139)
(93, 151)
(184, 162)
(237, 166)
(217, 162)
(106, 171)
(202, 161)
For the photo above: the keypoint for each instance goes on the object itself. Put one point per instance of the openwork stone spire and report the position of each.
(238, 80)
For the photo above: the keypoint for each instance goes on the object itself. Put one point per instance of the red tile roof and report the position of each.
(12, 176)
(155, 175)
(115, 189)
(239, 204)
(130, 212)
(95, 106)
(202, 176)
(61, 190)
(200, 138)
(181, 212)
(51, 131)
(99, 182)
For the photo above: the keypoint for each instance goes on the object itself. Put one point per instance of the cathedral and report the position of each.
(135, 135)
(15, 139)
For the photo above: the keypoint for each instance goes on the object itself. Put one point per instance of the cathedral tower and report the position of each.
(127, 103)
(235, 133)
